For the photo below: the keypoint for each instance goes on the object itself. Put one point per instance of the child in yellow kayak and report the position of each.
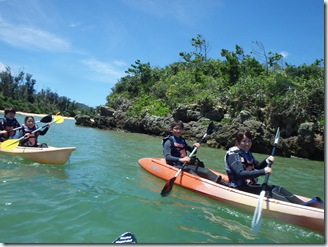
(8, 124)
(31, 139)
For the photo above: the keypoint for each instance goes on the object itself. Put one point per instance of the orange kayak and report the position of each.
(306, 216)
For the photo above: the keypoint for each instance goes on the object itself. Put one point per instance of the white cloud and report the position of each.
(105, 72)
(31, 38)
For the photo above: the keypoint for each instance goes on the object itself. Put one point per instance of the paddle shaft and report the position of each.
(270, 164)
(256, 222)
(45, 119)
(58, 119)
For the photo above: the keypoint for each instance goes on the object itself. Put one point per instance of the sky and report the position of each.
(81, 48)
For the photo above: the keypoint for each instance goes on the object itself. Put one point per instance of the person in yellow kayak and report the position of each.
(8, 124)
(31, 139)
(175, 150)
(243, 171)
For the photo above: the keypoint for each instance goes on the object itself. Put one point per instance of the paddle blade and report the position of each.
(46, 119)
(58, 119)
(210, 128)
(168, 186)
(276, 139)
(9, 144)
(256, 222)
(126, 238)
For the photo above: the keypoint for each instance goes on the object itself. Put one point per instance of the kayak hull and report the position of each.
(49, 155)
(309, 217)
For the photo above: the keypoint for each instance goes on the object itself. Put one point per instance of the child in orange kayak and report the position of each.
(31, 139)
(175, 150)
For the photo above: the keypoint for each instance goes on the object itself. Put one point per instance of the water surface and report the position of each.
(102, 192)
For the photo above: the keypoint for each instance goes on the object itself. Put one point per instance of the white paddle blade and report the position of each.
(256, 222)
(276, 139)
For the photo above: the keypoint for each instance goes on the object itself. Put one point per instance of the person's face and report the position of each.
(177, 131)
(30, 122)
(10, 115)
(245, 144)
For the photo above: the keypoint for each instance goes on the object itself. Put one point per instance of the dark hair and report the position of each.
(27, 117)
(174, 123)
(10, 109)
(240, 135)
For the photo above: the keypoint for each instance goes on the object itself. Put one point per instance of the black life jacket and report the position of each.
(9, 124)
(248, 163)
(179, 149)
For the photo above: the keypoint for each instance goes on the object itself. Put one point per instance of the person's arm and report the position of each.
(44, 130)
(264, 163)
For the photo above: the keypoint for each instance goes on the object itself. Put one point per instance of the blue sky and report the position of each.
(80, 48)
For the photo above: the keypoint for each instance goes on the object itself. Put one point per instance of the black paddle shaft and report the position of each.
(272, 154)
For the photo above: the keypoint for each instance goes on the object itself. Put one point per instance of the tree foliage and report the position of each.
(19, 92)
(240, 81)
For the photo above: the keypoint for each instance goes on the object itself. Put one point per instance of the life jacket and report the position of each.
(33, 138)
(9, 124)
(179, 149)
(247, 160)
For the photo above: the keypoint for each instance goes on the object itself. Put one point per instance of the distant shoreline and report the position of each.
(34, 114)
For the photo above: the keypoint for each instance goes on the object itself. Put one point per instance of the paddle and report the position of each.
(45, 119)
(12, 143)
(256, 222)
(169, 184)
(126, 238)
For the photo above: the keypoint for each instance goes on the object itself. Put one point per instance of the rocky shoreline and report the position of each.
(307, 143)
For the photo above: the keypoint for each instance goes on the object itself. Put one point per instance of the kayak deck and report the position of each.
(306, 216)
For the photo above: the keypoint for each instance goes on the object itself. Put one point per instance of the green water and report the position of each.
(102, 192)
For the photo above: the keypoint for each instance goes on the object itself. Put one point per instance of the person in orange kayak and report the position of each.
(31, 139)
(175, 150)
(243, 171)
(8, 124)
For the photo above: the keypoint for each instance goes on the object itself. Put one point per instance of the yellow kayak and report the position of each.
(48, 155)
